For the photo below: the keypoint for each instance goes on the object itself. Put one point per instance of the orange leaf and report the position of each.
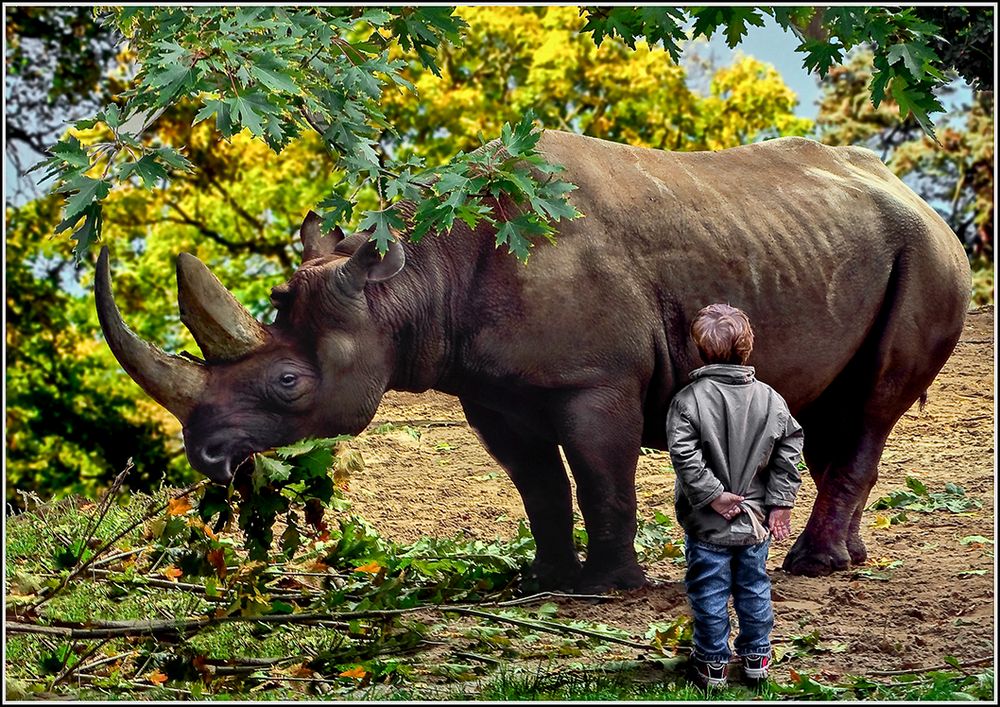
(172, 573)
(796, 678)
(198, 523)
(372, 567)
(356, 672)
(217, 558)
(156, 677)
(178, 506)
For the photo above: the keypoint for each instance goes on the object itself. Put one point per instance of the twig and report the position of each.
(279, 592)
(546, 595)
(104, 507)
(73, 668)
(546, 626)
(422, 423)
(476, 656)
(914, 671)
(120, 556)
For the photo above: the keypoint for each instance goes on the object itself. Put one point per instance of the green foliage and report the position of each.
(276, 73)
(918, 499)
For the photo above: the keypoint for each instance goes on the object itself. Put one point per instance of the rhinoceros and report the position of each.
(856, 288)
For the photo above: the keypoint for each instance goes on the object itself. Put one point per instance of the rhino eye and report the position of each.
(288, 379)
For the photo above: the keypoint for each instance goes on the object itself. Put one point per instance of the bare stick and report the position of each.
(915, 671)
(73, 668)
(546, 626)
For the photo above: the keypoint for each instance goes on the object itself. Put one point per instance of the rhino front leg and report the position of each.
(600, 431)
(535, 467)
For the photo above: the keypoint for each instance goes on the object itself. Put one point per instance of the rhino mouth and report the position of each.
(221, 461)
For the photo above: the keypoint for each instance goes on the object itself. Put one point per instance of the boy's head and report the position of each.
(722, 334)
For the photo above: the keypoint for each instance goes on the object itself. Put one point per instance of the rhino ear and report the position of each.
(366, 265)
(316, 244)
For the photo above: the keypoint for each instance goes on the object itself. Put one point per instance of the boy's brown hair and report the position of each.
(722, 334)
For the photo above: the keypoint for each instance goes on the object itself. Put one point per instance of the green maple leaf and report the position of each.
(246, 115)
(88, 233)
(169, 81)
(736, 23)
(880, 79)
(706, 21)
(147, 168)
(552, 201)
(382, 222)
(916, 101)
(87, 191)
(820, 55)
(71, 152)
(517, 232)
(173, 158)
(267, 470)
(522, 138)
(274, 80)
(914, 56)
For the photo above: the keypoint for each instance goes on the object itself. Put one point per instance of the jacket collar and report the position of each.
(725, 373)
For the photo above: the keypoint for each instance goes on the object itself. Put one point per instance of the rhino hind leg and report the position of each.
(846, 428)
(538, 473)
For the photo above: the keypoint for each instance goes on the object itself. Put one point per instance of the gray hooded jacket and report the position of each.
(727, 431)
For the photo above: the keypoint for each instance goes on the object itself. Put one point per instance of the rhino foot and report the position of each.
(815, 560)
(596, 580)
(857, 550)
(550, 577)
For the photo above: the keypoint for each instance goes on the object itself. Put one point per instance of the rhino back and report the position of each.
(802, 236)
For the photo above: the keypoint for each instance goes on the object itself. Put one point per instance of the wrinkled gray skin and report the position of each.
(856, 289)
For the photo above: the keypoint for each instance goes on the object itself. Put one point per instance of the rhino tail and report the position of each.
(923, 401)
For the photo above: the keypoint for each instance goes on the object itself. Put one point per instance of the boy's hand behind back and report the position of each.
(780, 523)
(727, 505)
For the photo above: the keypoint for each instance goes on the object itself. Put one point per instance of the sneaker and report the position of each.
(755, 667)
(709, 675)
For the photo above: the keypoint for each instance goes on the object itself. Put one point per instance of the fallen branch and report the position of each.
(916, 671)
(547, 626)
(112, 629)
(421, 423)
(278, 592)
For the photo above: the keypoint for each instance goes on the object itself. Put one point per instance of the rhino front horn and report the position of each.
(175, 383)
(224, 330)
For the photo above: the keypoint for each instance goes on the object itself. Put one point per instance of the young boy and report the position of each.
(734, 447)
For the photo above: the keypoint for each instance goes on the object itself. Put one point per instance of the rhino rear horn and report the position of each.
(316, 244)
(224, 330)
(174, 382)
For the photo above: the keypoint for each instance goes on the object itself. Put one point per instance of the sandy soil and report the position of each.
(924, 609)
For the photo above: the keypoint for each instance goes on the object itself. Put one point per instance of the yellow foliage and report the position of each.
(516, 58)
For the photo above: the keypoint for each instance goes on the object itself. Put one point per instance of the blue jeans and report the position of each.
(715, 571)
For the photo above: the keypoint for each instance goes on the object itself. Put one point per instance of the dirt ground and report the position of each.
(918, 612)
